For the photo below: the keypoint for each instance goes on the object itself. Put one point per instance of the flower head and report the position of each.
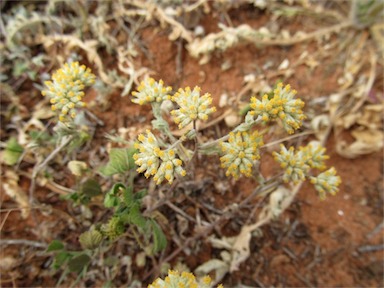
(294, 164)
(162, 164)
(192, 106)
(151, 91)
(183, 279)
(314, 155)
(327, 181)
(66, 89)
(169, 166)
(282, 105)
(241, 150)
(148, 159)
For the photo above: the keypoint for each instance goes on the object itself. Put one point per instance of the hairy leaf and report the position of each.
(55, 245)
(60, 259)
(120, 161)
(78, 263)
(159, 240)
(111, 198)
(12, 152)
(90, 188)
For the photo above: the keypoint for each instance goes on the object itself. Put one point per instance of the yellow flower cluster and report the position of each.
(192, 106)
(282, 105)
(176, 279)
(298, 164)
(327, 181)
(314, 155)
(156, 162)
(66, 89)
(151, 91)
(294, 164)
(240, 152)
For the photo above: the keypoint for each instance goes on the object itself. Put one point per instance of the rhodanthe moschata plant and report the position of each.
(165, 158)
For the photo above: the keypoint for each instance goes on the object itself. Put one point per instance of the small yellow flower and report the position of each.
(152, 161)
(192, 106)
(169, 166)
(293, 163)
(314, 155)
(183, 280)
(151, 91)
(282, 105)
(240, 152)
(65, 89)
(327, 181)
(148, 158)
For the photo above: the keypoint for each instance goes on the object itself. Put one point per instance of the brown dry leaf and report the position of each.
(348, 120)
(284, 65)
(8, 263)
(279, 260)
(42, 111)
(320, 125)
(377, 32)
(354, 63)
(221, 267)
(367, 141)
(89, 46)
(241, 250)
(13, 190)
(232, 119)
(369, 136)
(372, 117)
(279, 200)
(334, 103)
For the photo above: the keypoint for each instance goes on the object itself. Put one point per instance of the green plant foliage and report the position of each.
(90, 188)
(367, 12)
(86, 191)
(127, 207)
(79, 263)
(91, 239)
(60, 259)
(12, 152)
(120, 161)
(111, 198)
(55, 245)
(159, 240)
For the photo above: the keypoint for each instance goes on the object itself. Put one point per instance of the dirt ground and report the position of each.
(337, 242)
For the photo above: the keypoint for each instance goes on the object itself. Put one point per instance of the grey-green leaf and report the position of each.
(159, 240)
(90, 239)
(90, 188)
(78, 263)
(120, 161)
(12, 152)
(55, 245)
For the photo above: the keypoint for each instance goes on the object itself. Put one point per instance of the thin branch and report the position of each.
(5, 242)
(39, 167)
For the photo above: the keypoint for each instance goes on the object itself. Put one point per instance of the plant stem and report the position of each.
(38, 168)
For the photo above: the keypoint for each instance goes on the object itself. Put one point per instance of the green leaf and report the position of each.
(12, 152)
(128, 196)
(140, 195)
(19, 68)
(120, 161)
(55, 245)
(159, 240)
(60, 259)
(90, 188)
(136, 218)
(111, 198)
(78, 263)
(107, 284)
